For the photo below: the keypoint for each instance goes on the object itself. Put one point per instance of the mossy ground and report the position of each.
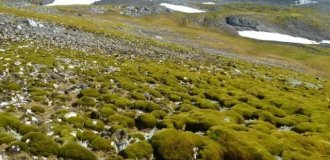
(207, 109)
(184, 28)
(220, 102)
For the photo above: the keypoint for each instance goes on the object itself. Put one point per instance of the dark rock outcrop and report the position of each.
(243, 23)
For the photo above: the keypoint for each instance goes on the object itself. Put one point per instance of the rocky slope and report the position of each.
(75, 92)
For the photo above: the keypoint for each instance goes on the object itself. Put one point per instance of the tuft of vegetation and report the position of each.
(40, 144)
(75, 152)
(138, 150)
(146, 121)
(172, 144)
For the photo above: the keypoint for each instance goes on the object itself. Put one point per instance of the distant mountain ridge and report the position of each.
(148, 2)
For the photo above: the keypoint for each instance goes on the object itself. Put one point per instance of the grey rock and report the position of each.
(243, 23)
(31, 23)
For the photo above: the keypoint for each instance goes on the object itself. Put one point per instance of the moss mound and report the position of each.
(122, 120)
(100, 143)
(6, 138)
(91, 92)
(40, 144)
(138, 150)
(170, 144)
(146, 106)
(146, 120)
(37, 109)
(75, 152)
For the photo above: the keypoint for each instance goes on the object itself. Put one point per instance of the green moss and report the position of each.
(23, 146)
(170, 144)
(206, 104)
(130, 114)
(138, 96)
(6, 138)
(112, 106)
(75, 152)
(12, 86)
(244, 147)
(245, 110)
(146, 120)
(115, 157)
(146, 106)
(138, 136)
(100, 143)
(159, 114)
(87, 135)
(94, 124)
(116, 128)
(305, 127)
(86, 101)
(116, 100)
(40, 144)
(38, 92)
(77, 121)
(24, 129)
(166, 123)
(121, 120)
(106, 111)
(138, 150)
(262, 126)
(8, 120)
(127, 84)
(37, 109)
(186, 107)
(91, 92)
(202, 120)
(174, 97)
(154, 93)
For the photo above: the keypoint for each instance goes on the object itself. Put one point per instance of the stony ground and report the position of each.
(71, 94)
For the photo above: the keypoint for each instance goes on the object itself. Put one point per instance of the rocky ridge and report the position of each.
(18, 29)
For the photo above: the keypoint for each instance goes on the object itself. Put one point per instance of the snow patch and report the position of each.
(325, 42)
(179, 8)
(302, 2)
(72, 2)
(209, 3)
(268, 36)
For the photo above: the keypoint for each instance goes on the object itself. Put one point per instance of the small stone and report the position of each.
(31, 23)
(19, 27)
(17, 63)
(69, 115)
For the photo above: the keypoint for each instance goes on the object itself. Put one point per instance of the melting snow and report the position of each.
(268, 36)
(181, 8)
(301, 2)
(72, 2)
(208, 3)
(325, 42)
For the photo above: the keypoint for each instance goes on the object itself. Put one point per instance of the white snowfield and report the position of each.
(181, 8)
(302, 2)
(268, 36)
(72, 2)
(326, 42)
(210, 3)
